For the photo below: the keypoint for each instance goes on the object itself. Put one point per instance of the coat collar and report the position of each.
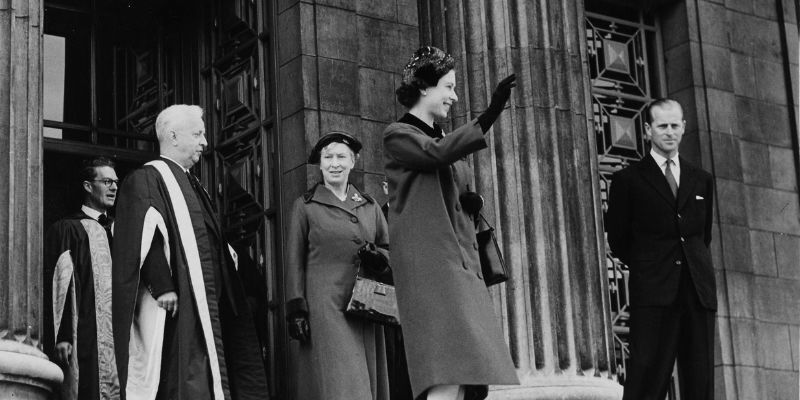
(435, 132)
(653, 175)
(355, 198)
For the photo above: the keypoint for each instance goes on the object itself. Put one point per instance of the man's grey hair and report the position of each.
(172, 117)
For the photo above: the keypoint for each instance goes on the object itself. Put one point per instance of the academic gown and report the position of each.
(209, 350)
(77, 306)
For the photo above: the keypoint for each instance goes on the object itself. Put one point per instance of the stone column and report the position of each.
(539, 181)
(25, 372)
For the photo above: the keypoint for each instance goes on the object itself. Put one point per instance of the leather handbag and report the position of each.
(493, 267)
(374, 301)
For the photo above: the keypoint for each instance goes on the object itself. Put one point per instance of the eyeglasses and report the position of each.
(107, 181)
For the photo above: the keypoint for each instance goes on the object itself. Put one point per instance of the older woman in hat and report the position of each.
(332, 224)
(454, 345)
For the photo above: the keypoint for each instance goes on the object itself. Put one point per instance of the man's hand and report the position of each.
(299, 328)
(169, 302)
(63, 352)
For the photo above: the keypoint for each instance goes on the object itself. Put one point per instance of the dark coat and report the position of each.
(654, 234)
(452, 335)
(346, 356)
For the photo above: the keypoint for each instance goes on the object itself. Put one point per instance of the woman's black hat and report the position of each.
(331, 137)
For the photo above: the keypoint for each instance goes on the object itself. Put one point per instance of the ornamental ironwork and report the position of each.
(625, 68)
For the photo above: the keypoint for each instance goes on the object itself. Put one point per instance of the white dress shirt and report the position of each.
(91, 212)
(661, 161)
(176, 163)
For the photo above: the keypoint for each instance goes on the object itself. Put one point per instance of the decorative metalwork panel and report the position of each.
(238, 78)
(623, 65)
(620, 85)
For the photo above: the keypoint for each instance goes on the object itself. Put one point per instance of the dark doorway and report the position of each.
(110, 66)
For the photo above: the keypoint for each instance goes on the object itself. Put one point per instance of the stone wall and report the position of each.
(339, 64)
(735, 64)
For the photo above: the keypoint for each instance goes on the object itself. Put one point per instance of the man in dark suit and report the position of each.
(659, 224)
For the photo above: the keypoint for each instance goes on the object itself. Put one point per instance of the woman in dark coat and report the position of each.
(340, 357)
(454, 345)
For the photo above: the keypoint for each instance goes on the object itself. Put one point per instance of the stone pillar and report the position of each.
(25, 372)
(539, 181)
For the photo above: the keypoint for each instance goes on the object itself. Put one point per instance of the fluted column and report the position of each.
(25, 372)
(539, 181)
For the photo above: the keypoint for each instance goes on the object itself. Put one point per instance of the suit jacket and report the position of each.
(655, 234)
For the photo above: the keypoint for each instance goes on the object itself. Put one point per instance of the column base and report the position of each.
(26, 373)
(559, 388)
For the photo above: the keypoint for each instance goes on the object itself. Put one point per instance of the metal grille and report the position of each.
(624, 57)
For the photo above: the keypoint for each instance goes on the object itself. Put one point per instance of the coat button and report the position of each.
(678, 262)
(682, 239)
(354, 220)
(480, 276)
(475, 246)
(463, 264)
(458, 207)
(679, 216)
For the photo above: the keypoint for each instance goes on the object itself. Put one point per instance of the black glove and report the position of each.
(299, 328)
(499, 99)
(471, 202)
(373, 262)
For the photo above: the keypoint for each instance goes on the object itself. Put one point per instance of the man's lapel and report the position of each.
(688, 180)
(652, 175)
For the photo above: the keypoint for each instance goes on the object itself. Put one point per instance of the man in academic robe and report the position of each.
(659, 224)
(77, 331)
(182, 326)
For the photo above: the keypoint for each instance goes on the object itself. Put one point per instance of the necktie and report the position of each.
(673, 186)
(196, 185)
(106, 222)
(200, 191)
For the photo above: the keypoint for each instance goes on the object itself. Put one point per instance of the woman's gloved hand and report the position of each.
(299, 328)
(499, 99)
(372, 260)
(471, 203)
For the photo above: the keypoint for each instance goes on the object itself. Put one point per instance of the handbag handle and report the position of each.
(478, 220)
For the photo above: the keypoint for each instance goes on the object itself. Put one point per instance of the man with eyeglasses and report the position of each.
(77, 332)
(182, 325)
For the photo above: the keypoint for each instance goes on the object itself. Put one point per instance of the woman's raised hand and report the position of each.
(502, 93)
(499, 99)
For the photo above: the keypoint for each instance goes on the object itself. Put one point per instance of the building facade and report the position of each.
(85, 77)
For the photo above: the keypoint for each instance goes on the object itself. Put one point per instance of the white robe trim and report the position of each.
(63, 282)
(189, 244)
(100, 254)
(147, 329)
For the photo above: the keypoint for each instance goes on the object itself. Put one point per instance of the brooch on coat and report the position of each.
(356, 198)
